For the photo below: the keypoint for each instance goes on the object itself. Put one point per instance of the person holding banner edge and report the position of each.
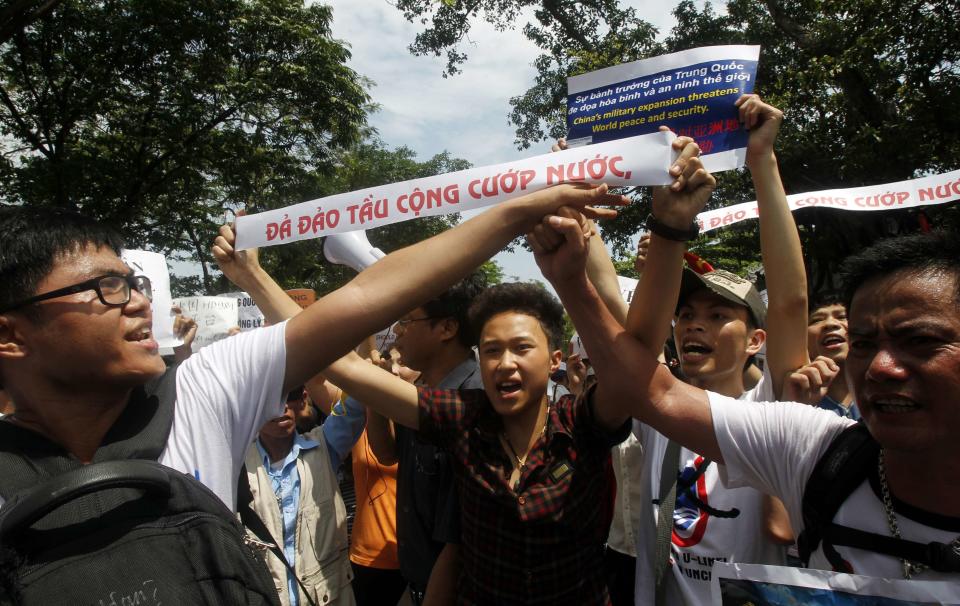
(397, 399)
(898, 514)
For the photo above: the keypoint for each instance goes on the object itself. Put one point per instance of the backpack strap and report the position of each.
(254, 523)
(842, 468)
(938, 556)
(667, 502)
(140, 432)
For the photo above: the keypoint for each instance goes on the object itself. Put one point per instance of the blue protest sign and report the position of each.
(693, 92)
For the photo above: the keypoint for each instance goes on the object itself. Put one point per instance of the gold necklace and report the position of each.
(522, 461)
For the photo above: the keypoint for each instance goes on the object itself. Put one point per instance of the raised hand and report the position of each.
(560, 244)
(580, 196)
(810, 383)
(763, 121)
(678, 204)
(238, 265)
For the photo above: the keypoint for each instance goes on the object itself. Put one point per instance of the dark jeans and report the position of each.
(377, 586)
(621, 576)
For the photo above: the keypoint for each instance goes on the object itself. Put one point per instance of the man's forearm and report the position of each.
(275, 304)
(785, 274)
(655, 300)
(605, 339)
(376, 389)
(603, 276)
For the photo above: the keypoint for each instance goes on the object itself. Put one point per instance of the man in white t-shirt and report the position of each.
(76, 341)
(903, 368)
(721, 322)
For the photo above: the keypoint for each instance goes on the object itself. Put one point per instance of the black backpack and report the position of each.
(847, 462)
(123, 529)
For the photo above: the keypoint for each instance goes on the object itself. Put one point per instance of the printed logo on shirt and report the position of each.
(689, 518)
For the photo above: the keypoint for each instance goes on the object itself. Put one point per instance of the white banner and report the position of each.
(742, 584)
(926, 191)
(154, 266)
(249, 315)
(642, 160)
(215, 316)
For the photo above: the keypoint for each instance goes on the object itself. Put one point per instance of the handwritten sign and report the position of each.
(215, 316)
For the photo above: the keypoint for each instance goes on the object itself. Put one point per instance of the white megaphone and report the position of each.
(351, 249)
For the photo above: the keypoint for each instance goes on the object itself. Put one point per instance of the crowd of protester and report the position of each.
(491, 461)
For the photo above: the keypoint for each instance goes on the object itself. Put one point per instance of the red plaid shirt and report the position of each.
(542, 544)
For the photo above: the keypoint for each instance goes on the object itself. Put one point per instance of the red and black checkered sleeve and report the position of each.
(444, 413)
(588, 431)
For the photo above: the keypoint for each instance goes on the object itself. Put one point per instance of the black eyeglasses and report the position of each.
(113, 290)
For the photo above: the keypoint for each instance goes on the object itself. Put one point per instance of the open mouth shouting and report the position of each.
(694, 351)
(508, 390)
(833, 341)
(144, 337)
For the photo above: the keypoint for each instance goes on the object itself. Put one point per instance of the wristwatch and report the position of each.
(672, 233)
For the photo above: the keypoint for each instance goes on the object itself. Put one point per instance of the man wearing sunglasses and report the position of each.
(76, 346)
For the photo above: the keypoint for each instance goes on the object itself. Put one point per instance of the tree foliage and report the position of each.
(154, 115)
(871, 92)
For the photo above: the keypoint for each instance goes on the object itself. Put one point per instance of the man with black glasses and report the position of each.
(76, 348)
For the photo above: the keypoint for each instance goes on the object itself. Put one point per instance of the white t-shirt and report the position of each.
(225, 393)
(774, 448)
(699, 539)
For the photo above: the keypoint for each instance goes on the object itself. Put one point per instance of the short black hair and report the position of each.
(824, 298)
(32, 239)
(522, 297)
(920, 253)
(455, 303)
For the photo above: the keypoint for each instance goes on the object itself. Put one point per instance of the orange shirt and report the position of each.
(374, 540)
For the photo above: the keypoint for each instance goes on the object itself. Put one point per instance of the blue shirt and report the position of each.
(851, 412)
(341, 430)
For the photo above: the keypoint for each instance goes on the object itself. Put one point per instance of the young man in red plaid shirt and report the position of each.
(533, 478)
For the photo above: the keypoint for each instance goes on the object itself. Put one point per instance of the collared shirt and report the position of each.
(847, 412)
(541, 543)
(340, 430)
(286, 486)
(428, 510)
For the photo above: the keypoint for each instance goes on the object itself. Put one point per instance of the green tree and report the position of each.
(870, 91)
(155, 115)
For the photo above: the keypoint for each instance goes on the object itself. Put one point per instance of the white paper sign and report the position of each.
(154, 266)
(249, 315)
(215, 316)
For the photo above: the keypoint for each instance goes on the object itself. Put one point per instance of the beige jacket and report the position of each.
(322, 548)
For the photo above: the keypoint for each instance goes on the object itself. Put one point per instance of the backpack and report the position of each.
(124, 529)
(847, 462)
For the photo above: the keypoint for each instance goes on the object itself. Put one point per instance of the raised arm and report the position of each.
(379, 390)
(631, 382)
(779, 245)
(408, 277)
(655, 299)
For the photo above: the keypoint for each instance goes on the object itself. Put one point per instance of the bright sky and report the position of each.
(465, 114)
